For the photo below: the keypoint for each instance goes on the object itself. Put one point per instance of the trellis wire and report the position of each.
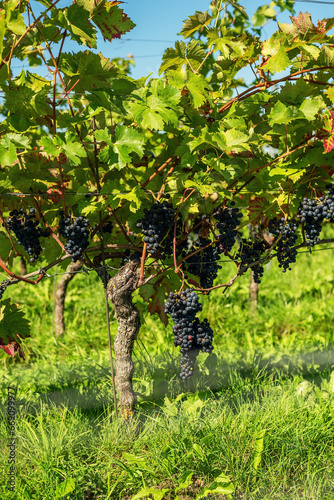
(88, 270)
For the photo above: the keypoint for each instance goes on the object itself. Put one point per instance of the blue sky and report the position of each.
(162, 20)
(157, 24)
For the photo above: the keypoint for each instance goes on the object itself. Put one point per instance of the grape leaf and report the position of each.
(191, 53)
(13, 325)
(195, 23)
(111, 20)
(79, 26)
(283, 114)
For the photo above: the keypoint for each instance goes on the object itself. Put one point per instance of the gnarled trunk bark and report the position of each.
(61, 295)
(119, 291)
(253, 292)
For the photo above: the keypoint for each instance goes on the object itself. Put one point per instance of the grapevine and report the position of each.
(190, 334)
(286, 232)
(27, 231)
(204, 263)
(76, 235)
(156, 226)
(250, 252)
(228, 220)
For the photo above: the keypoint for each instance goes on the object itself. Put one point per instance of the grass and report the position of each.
(255, 421)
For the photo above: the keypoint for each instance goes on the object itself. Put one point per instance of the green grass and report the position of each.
(257, 417)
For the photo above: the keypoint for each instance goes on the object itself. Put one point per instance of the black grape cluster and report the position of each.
(313, 212)
(228, 220)
(187, 363)
(76, 235)
(250, 252)
(157, 227)
(204, 263)
(286, 252)
(27, 231)
(3, 287)
(328, 203)
(189, 333)
(203, 335)
(310, 212)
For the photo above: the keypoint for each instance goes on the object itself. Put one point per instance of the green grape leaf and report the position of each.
(195, 23)
(196, 85)
(117, 153)
(14, 18)
(283, 114)
(311, 107)
(154, 106)
(79, 26)
(7, 152)
(13, 324)
(191, 54)
(111, 20)
(226, 43)
(88, 71)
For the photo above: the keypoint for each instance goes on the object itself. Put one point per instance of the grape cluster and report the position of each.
(156, 227)
(189, 333)
(187, 363)
(313, 212)
(3, 287)
(204, 263)
(76, 235)
(250, 252)
(228, 220)
(203, 335)
(286, 252)
(310, 212)
(328, 203)
(27, 231)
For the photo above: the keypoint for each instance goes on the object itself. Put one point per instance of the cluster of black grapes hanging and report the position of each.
(203, 263)
(76, 235)
(249, 252)
(286, 230)
(228, 220)
(310, 212)
(157, 227)
(27, 231)
(313, 212)
(189, 333)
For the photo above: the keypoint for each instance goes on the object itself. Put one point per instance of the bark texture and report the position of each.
(253, 293)
(23, 266)
(61, 295)
(119, 291)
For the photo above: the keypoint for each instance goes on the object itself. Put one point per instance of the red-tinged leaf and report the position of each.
(257, 206)
(326, 134)
(155, 295)
(303, 23)
(111, 20)
(329, 144)
(325, 25)
(11, 349)
(157, 304)
(194, 283)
